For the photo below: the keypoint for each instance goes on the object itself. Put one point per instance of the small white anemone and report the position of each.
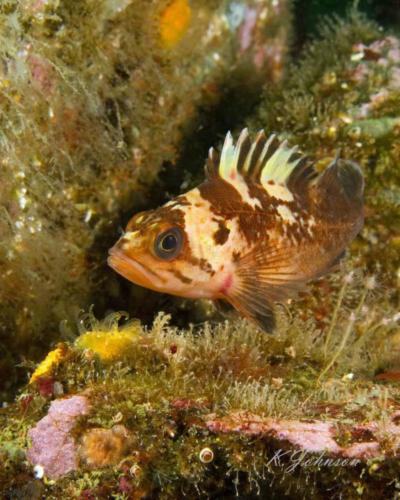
(38, 471)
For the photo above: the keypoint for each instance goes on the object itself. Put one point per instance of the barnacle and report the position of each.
(206, 455)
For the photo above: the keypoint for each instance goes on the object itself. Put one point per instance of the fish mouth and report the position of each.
(133, 270)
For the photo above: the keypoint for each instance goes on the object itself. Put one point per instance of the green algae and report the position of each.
(93, 105)
(343, 95)
(172, 382)
(334, 358)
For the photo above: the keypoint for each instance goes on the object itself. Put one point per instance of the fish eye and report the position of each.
(169, 243)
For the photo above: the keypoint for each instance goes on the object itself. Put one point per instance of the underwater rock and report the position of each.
(53, 446)
(315, 436)
(196, 409)
(95, 98)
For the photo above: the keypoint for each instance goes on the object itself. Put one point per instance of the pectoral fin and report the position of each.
(223, 307)
(262, 278)
(252, 304)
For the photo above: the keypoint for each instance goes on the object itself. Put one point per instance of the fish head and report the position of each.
(155, 250)
(146, 252)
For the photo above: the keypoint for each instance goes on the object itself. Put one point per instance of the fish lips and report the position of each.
(133, 270)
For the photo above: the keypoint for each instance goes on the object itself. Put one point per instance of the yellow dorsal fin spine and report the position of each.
(262, 161)
(280, 166)
(227, 165)
(249, 159)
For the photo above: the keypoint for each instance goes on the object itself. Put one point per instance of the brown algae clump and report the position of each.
(105, 447)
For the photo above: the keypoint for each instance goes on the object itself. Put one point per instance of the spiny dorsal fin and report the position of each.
(266, 161)
(212, 163)
(345, 175)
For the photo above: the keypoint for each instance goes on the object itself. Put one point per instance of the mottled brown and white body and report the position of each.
(261, 225)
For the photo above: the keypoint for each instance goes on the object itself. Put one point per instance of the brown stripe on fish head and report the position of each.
(236, 256)
(222, 234)
(202, 264)
(169, 213)
(173, 212)
(205, 266)
(180, 276)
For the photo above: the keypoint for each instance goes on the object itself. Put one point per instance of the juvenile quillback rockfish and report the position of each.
(260, 226)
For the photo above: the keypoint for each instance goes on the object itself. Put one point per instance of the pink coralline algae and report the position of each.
(266, 53)
(53, 447)
(245, 32)
(370, 59)
(42, 74)
(313, 436)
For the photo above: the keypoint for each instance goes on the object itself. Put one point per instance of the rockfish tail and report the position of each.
(260, 226)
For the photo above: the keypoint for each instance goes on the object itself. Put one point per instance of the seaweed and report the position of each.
(209, 411)
(122, 409)
(96, 98)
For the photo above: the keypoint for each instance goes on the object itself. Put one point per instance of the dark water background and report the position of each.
(308, 14)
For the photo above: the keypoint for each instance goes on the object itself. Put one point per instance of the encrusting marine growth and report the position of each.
(97, 97)
(216, 409)
(183, 408)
